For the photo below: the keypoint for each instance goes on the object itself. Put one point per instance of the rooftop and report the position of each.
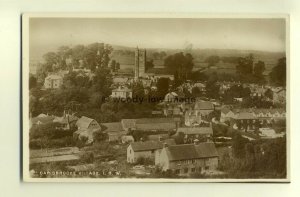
(191, 151)
(112, 127)
(195, 130)
(146, 146)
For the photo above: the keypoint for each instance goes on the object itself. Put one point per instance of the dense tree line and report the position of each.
(278, 73)
(50, 136)
(256, 159)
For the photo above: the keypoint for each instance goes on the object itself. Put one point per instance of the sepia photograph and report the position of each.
(155, 98)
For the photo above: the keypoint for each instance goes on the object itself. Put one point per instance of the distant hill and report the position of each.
(125, 56)
(127, 59)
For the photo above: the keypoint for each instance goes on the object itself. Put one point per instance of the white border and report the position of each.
(25, 92)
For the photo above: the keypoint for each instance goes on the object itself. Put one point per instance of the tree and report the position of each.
(113, 65)
(182, 63)
(102, 81)
(269, 94)
(117, 66)
(245, 65)
(162, 87)
(198, 76)
(138, 90)
(238, 145)
(212, 89)
(278, 73)
(149, 65)
(258, 70)
(179, 138)
(51, 59)
(49, 136)
(32, 81)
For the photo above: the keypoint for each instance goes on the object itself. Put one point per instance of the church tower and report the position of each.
(140, 63)
(136, 64)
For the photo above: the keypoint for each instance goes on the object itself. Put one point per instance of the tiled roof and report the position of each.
(195, 130)
(155, 120)
(146, 146)
(158, 137)
(84, 122)
(191, 151)
(170, 142)
(260, 110)
(155, 124)
(53, 77)
(245, 115)
(112, 127)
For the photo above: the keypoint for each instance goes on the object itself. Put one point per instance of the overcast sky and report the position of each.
(251, 34)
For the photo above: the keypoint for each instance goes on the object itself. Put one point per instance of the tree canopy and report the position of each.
(278, 73)
(181, 63)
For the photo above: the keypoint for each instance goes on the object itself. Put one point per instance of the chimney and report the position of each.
(196, 141)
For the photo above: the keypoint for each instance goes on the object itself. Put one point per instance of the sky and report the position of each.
(47, 34)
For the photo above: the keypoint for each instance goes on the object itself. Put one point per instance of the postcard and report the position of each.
(155, 98)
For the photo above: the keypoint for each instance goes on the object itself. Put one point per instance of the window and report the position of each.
(186, 170)
(177, 171)
(200, 169)
(193, 169)
(206, 167)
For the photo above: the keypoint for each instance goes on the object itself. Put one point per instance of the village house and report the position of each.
(259, 113)
(192, 133)
(192, 118)
(244, 121)
(142, 150)
(127, 139)
(53, 81)
(172, 110)
(186, 159)
(114, 131)
(257, 91)
(121, 92)
(120, 80)
(67, 121)
(171, 97)
(226, 114)
(200, 111)
(128, 124)
(86, 127)
(279, 95)
(146, 149)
